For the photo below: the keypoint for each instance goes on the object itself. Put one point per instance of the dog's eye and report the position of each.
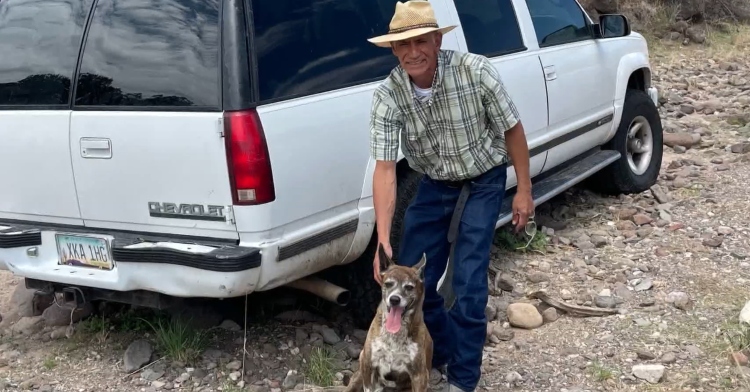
(388, 284)
(409, 287)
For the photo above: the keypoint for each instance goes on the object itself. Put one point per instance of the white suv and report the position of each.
(217, 148)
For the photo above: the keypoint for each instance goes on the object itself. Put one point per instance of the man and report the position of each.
(457, 125)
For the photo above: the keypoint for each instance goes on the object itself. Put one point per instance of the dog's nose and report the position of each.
(395, 300)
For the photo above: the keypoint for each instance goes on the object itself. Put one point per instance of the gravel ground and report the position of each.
(673, 261)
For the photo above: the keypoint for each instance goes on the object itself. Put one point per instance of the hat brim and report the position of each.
(384, 41)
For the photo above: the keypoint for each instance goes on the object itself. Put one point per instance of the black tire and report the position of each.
(619, 178)
(357, 276)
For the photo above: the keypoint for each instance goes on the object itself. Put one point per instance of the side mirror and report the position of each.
(612, 26)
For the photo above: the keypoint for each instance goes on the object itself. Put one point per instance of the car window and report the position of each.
(306, 47)
(39, 43)
(558, 22)
(490, 26)
(151, 53)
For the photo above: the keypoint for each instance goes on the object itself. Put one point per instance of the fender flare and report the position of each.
(629, 64)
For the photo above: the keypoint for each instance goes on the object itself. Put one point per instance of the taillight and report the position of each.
(247, 158)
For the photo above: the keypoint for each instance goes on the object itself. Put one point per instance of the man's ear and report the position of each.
(420, 266)
(385, 261)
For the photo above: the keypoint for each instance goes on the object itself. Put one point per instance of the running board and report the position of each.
(558, 180)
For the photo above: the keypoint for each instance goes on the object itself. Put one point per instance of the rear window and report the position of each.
(312, 46)
(39, 43)
(162, 53)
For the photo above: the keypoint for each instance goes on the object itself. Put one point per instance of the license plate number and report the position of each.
(83, 251)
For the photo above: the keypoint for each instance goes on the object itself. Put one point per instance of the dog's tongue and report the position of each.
(393, 319)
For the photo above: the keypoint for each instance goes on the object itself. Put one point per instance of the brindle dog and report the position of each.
(397, 353)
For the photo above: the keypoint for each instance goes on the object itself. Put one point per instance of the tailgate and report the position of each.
(153, 172)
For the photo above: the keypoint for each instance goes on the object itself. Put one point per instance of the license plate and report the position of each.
(83, 251)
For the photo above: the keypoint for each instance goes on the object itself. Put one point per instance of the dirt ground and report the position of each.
(674, 261)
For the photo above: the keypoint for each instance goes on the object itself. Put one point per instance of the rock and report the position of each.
(622, 291)
(642, 219)
(151, 374)
(504, 282)
(713, 242)
(645, 355)
(585, 245)
(599, 241)
(524, 315)
(679, 149)
(626, 213)
(28, 326)
(668, 358)
(605, 299)
(550, 315)
(353, 350)
(644, 285)
(57, 316)
(537, 277)
(652, 373)
(136, 355)
(738, 359)
(696, 35)
(513, 377)
(290, 381)
(230, 325)
(745, 314)
(694, 351)
(566, 295)
(683, 139)
(680, 300)
(490, 311)
(329, 335)
(234, 365)
(740, 148)
(22, 302)
(685, 108)
(59, 333)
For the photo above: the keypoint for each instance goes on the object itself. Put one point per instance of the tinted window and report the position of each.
(558, 21)
(311, 46)
(39, 42)
(151, 53)
(490, 26)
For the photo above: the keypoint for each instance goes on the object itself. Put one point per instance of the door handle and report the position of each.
(96, 148)
(550, 73)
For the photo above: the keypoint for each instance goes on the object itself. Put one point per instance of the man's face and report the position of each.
(418, 55)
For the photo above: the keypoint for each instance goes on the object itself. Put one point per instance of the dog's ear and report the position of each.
(420, 266)
(385, 261)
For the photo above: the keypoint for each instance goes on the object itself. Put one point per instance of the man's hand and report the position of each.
(523, 203)
(523, 208)
(384, 197)
(376, 262)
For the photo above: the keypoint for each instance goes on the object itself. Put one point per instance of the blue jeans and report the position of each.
(458, 334)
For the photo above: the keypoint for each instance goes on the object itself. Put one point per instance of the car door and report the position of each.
(579, 91)
(39, 45)
(490, 28)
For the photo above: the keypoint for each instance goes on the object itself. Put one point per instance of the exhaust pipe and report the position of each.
(323, 289)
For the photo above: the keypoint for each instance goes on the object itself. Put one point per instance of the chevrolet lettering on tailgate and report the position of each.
(187, 211)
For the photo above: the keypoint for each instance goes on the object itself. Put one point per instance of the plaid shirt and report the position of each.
(459, 133)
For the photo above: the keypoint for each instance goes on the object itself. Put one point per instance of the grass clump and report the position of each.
(177, 340)
(601, 372)
(320, 369)
(506, 238)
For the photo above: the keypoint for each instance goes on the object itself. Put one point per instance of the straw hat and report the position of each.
(412, 18)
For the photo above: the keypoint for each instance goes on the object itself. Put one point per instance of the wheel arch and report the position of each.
(633, 72)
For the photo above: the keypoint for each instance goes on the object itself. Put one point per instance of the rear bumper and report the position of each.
(173, 266)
